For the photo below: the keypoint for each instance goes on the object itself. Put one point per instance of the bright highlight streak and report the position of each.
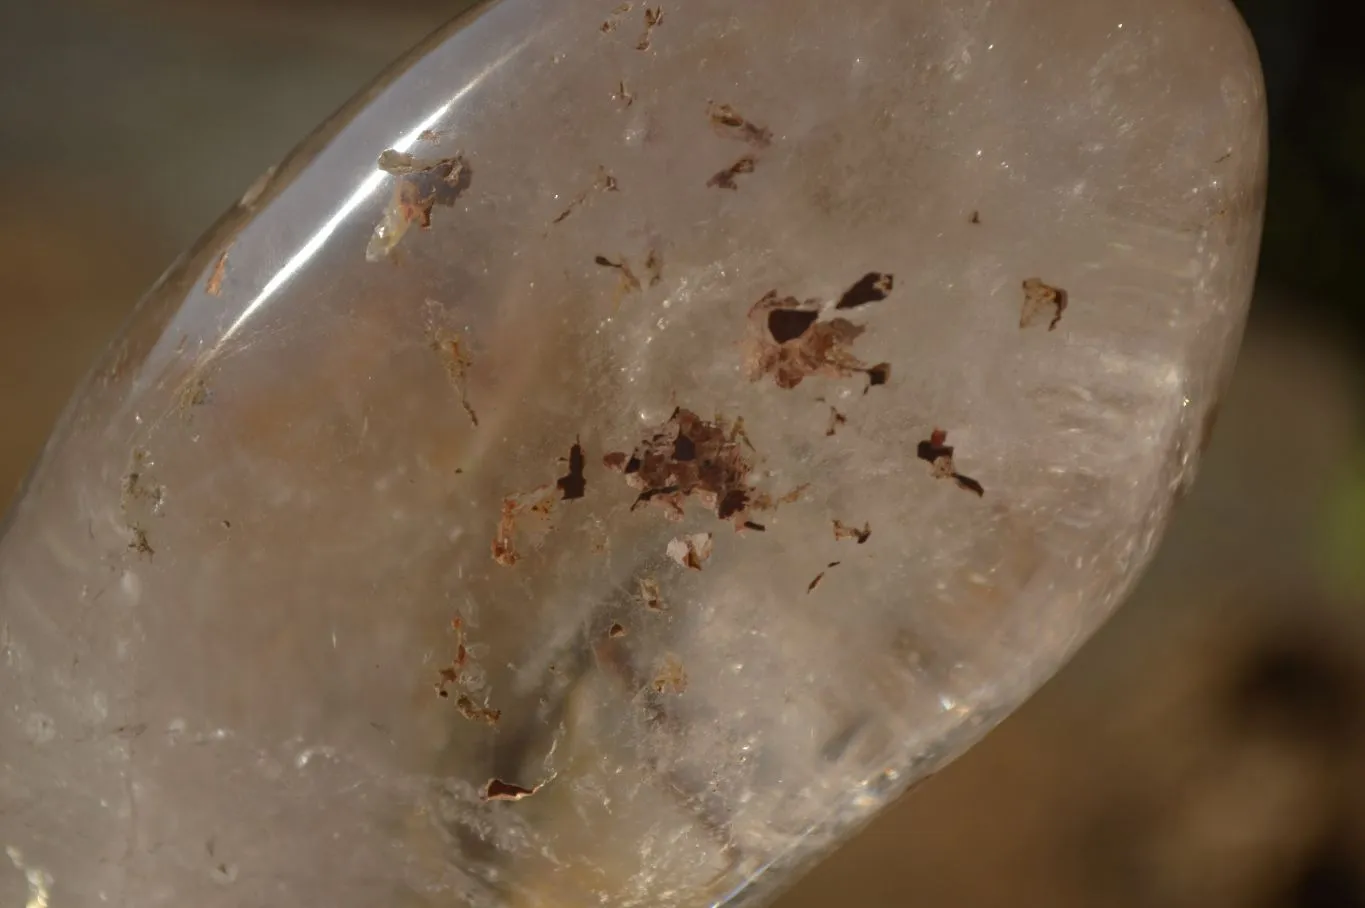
(316, 241)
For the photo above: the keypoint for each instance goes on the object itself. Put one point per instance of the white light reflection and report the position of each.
(362, 192)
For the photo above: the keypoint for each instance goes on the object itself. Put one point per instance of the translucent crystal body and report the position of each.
(624, 450)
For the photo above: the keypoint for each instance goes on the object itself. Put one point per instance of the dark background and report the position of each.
(1206, 749)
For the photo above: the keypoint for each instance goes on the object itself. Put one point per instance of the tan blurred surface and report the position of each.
(1203, 750)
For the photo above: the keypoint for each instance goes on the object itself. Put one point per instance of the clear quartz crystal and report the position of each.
(342, 463)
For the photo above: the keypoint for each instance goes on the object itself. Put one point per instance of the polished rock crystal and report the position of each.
(624, 450)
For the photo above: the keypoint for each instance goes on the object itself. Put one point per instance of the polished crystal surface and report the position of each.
(625, 449)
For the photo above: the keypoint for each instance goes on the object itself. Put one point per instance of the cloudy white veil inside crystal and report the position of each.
(625, 449)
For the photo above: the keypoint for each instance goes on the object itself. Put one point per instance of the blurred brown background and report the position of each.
(1207, 749)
